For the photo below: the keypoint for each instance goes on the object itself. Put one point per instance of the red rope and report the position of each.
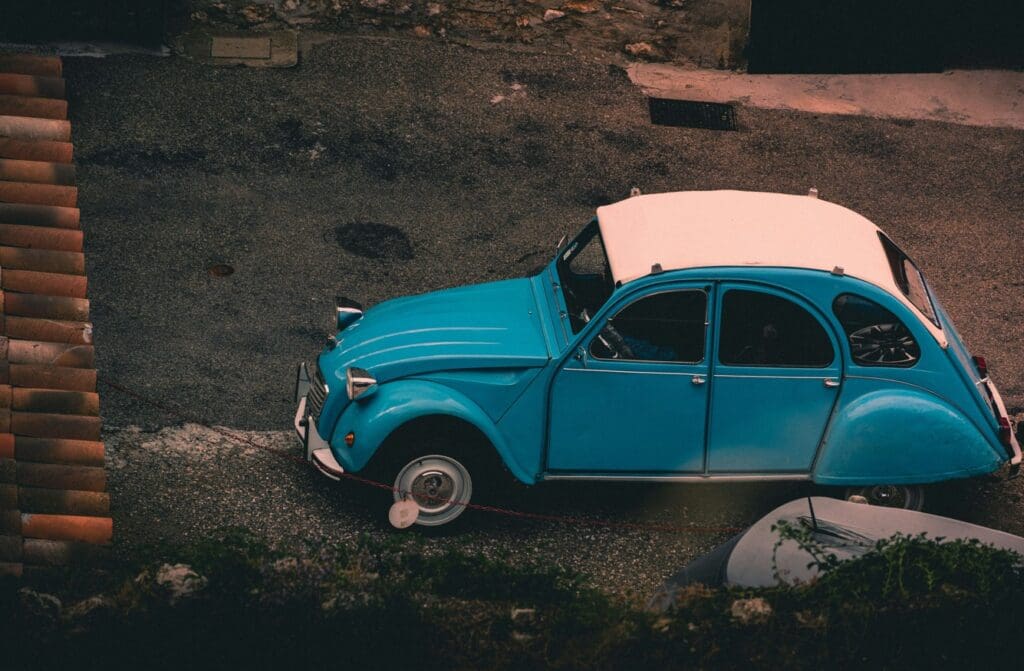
(540, 517)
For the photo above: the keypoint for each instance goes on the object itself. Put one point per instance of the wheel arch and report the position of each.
(901, 435)
(404, 406)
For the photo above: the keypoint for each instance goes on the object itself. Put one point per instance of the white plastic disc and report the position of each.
(403, 513)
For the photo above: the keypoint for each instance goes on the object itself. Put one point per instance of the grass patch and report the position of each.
(911, 603)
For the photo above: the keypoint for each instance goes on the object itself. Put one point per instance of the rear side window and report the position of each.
(760, 329)
(909, 279)
(877, 337)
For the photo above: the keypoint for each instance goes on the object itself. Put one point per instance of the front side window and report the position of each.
(909, 279)
(665, 327)
(877, 337)
(585, 276)
(761, 329)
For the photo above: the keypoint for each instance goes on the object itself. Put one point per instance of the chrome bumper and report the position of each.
(997, 399)
(316, 450)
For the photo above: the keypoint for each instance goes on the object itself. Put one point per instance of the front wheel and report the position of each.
(440, 485)
(907, 497)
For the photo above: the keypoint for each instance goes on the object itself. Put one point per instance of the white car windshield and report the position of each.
(585, 276)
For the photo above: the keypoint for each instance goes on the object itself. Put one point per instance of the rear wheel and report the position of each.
(907, 497)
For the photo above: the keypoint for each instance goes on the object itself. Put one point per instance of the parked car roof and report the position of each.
(697, 229)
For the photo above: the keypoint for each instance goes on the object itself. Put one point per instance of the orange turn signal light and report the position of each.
(350, 439)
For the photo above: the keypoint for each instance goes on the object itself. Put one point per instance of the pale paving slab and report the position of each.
(971, 97)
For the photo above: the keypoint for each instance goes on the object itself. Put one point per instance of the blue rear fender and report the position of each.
(900, 436)
(397, 403)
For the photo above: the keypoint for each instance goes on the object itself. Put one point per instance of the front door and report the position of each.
(776, 379)
(633, 397)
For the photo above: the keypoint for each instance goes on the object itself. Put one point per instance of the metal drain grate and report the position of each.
(692, 114)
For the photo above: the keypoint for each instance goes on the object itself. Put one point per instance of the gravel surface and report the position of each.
(379, 168)
(185, 483)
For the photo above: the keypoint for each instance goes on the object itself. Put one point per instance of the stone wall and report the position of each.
(701, 33)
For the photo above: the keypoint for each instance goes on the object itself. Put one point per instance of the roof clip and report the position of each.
(634, 192)
(838, 270)
(812, 192)
(656, 268)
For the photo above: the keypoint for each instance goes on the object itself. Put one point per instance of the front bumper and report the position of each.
(316, 450)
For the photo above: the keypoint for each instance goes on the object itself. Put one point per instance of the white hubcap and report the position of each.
(439, 485)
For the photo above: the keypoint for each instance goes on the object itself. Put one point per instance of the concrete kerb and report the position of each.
(993, 98)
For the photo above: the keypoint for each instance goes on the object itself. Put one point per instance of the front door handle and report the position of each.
(698, 379)
(830, 383)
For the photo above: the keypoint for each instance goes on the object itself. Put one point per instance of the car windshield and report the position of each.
(585, 276)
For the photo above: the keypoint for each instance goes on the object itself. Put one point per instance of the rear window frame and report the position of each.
(817, 319)
(898, 259)
(845, 329)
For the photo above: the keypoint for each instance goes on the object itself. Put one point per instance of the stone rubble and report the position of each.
(39, 605)
(699, 33)
(180, 581)
(750, 611)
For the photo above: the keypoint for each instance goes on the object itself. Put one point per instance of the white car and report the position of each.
(847, 530)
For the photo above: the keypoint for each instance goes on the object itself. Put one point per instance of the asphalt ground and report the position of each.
(379, 168)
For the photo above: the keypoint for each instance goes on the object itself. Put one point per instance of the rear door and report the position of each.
(776, 377)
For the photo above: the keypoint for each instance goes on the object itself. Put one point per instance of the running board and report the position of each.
(696, 477)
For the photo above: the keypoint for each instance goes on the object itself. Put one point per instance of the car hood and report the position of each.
(493, 325)
(847, 530)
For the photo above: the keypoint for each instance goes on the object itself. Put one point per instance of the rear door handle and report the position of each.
(698, 379)
(830, 383)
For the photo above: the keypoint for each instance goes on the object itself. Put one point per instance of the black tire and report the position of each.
(434, 460)
(907, 497)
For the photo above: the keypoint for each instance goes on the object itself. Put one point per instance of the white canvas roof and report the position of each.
(695, 229)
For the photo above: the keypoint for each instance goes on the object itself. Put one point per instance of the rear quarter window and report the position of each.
(875, 335)
(909, 279)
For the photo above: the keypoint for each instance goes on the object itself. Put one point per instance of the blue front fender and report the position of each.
(399, 402)
(901, 436)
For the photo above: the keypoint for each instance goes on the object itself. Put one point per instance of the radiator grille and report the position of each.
(317, 395)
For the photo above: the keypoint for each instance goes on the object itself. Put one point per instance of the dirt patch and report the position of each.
(597, 196)
(533, 262)
(295, 135)
(539, 82)
(144, 159)
(311, 333)
(536, 154)
(870, 144)
(374, 241)
(625, 141)
(381, 153)
(530, 125)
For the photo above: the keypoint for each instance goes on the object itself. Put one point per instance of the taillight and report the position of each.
(1005, 431)
(981, 365)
